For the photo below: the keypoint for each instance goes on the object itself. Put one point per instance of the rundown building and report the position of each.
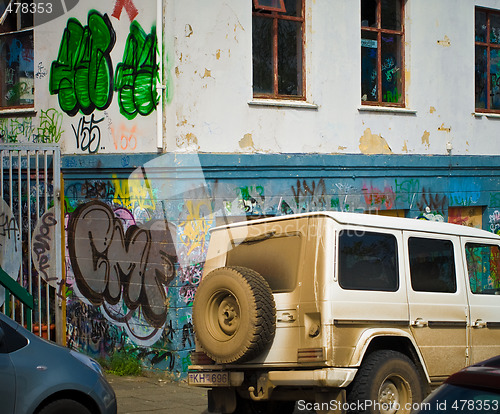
(165, 118)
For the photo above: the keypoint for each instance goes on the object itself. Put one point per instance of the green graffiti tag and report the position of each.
(136, 76)
(82, 75)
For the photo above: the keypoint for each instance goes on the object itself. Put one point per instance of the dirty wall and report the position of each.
(138, 230)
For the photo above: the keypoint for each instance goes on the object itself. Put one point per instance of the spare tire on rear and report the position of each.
(234, 315)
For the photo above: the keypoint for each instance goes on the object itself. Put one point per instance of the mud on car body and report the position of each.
(342, 307)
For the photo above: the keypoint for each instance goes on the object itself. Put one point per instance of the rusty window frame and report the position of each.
(12, 24)
(259, 6)
(276, 17)
(489, 47)
(379, 31)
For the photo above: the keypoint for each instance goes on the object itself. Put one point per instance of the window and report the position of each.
(17, 57)
(432, 265)
(275, 258)
(483, 267)
(368, 261)
(382, 42)
(278, 49)
(487, 76)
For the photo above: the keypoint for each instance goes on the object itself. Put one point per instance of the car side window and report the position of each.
(432, 265)
(12, 340)
(483, 267)
(368, 261)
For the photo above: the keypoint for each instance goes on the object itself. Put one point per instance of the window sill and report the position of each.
(486, 114)
(18, 111)
(390, 109)
(282, 103)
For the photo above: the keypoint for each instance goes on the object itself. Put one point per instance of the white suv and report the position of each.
(342, 311)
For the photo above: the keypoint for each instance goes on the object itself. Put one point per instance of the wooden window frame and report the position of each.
(488, 46)
(379, 31)
(281, 8)
(276, 16)
(19, 29)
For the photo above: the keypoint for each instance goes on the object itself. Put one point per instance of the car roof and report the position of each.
(484, 375)
(373, 220)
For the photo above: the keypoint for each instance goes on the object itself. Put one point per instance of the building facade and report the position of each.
(175, 116)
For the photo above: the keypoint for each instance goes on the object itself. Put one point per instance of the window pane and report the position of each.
(494, 28)
(495, 78)
(262, 46)
(391, 14)
(480, 26)
(368, 261)
(432, 265)
(289, 58)
(369, 66)
(392, 76)
(368, 13)
(293, 8)
(480, 77)
(16, 66)
(483, 267)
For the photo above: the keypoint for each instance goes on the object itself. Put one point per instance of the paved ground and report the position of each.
(156, 395)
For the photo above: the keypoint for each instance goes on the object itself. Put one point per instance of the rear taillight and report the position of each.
(200, 358)
(310, 355)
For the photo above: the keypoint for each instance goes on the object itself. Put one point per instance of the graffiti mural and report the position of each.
(114, 265)
(82, 75)
(136, 76)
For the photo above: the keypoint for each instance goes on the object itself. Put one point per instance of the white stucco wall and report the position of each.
(212, 84)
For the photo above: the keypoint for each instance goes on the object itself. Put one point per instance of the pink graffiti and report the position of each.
(129, 8)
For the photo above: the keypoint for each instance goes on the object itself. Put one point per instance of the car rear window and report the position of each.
(368, 261)
(483, 267)
(276, 258)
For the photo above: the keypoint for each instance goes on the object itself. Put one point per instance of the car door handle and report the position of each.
(479, 323)
(419, 323)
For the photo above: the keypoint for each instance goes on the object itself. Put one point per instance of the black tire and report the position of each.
(389, 381)
(64, 407)
(234, 315)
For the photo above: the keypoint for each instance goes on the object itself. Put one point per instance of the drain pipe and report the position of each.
(160, 86)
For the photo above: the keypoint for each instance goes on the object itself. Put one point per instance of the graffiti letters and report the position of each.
(88, 134)
(111, 264)
(129, 7)
(136, 76)
(43, 247)
(82, 75)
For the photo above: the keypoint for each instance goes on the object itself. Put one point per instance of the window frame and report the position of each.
(488, 46)
(18, 30)
(380, 31)
(276, 16)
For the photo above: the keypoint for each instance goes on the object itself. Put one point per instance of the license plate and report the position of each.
(213, 379)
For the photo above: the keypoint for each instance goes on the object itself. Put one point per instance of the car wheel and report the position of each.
(387, 383)
(64, 407)
(234, 314)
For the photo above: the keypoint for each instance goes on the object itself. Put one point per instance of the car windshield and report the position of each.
(457, 399)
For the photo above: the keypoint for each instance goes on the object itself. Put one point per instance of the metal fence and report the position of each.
(31, 235)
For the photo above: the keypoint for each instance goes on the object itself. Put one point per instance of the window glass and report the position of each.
(487, 60)
(480, 26)
(382, 47)
(16, 58)
(432, 265)
(289, 58)
(276, 259)
(12, 340)
(277, 51)
(391, 14)
(368, 261)
(369, 74)
(392, 81)
(483, 267)
(369, 13)
(262, 56)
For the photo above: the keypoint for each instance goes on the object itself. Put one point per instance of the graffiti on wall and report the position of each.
(114, 265)
(19, 130)
(137, 75)
(82, 75)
